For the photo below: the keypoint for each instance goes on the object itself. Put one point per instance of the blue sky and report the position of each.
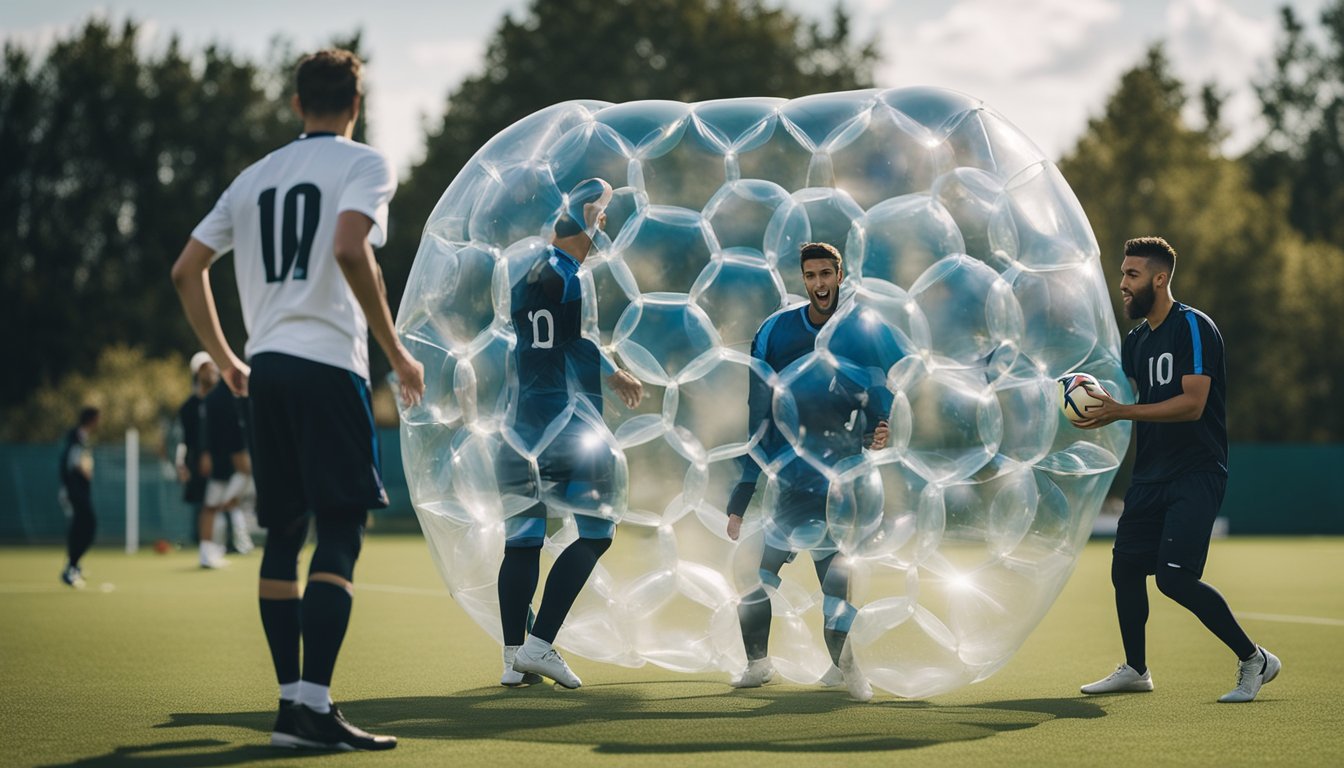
(1047, 65)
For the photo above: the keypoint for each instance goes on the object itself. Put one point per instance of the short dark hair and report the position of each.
(87, 415)
(572, 221)
(810, 251)
(1154, 249)
(328, 81)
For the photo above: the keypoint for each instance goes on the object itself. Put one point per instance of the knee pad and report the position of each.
(280, 556)
(769, 578)
(839, 613)
(522, 531)
(595, 528)
(338, 546)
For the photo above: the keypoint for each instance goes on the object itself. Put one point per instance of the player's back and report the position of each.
(279, 216)
(547, 308)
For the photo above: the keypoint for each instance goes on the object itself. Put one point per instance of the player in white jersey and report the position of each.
(301, 222)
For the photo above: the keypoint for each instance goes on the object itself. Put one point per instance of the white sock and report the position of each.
(290, 691)
(205, 550)
(510, 651)
(313, 696)
(536, 646)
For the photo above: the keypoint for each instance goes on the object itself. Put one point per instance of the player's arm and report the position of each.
(355, 257)
(759, 397)
(191, 277)
(1187, 406)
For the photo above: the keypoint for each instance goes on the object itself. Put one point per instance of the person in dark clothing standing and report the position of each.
(1174, 360)
(76, 472)
(192, 459)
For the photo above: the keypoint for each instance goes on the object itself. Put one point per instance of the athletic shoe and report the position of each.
(859, 689)
(833, 678)
(547, 663)
(1125, 679)
(71, 577)
(1251, 674)
(511, 677)
(758, 673)
(283, 733)
(324, 730)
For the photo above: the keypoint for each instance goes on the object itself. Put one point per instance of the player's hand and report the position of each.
(1110, 411)
(880, 436)
(235, 374)
(627, 387)
(410, 377)
(183, 474)
(734, 526)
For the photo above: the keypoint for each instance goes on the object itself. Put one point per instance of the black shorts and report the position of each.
(313, 444)
(1171, 523)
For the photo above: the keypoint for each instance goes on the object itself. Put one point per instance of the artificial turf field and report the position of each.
(157, 663)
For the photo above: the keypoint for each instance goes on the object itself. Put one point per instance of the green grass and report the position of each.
(166, 666)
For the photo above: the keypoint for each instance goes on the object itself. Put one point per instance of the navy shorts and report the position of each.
(1171, 523)
(798, 521)
(313, 445)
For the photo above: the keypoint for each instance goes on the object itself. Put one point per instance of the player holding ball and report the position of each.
(1174, 360)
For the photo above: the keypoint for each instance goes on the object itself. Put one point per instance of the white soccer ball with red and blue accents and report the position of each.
(1078, 396)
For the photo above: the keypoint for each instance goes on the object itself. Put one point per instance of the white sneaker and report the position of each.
(512, 677)
(833, 678)
(758, 673)
(859, 689)
(1125, 679)
(1258, 670)
(547, 663)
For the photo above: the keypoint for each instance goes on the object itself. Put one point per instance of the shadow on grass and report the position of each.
(671, 717)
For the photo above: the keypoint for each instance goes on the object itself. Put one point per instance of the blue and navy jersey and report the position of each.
(1187, 343)
(547, 309)
(837, 405)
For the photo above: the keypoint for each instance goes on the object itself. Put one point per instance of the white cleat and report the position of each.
(511, 677)
(859, 689)
(1251, 675)
(758, 673)
(1125, 679)
(546, 663)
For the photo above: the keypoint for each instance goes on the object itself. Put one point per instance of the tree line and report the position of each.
(110, 155)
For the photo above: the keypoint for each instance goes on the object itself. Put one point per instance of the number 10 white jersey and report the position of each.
(279, 218)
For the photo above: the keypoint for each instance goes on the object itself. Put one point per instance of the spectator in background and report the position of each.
(76, 472)
(192, 459)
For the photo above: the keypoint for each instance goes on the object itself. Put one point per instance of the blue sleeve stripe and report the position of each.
(763, 338)
(1197, 342)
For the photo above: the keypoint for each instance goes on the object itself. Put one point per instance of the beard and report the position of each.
(1141, 302)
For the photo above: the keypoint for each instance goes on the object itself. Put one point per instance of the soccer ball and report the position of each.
(1077, 395)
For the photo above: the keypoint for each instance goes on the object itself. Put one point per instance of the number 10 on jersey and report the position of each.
(296, 237)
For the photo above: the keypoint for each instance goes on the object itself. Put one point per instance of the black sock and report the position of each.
(1131, 608)
(517, 583)
(281, 620)
(326, 614)
(1208, 606)
(835, 643)
(753, 613)
(83, 528)
(567, 577)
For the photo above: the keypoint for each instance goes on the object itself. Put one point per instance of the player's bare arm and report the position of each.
(355, 257)
(191, 276)
(1187, 406)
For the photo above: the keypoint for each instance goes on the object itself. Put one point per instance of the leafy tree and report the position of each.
(1302, 154)
(622, 50)
(1139, 170)
(109, 159)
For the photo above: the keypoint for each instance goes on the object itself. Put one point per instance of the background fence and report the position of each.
(1274, 489)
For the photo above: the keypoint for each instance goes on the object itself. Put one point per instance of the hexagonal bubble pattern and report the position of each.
(972, 281)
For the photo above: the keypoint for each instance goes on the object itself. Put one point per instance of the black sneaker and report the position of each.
(283, 733)
(329, 730)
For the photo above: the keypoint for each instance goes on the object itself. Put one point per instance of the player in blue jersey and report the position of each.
(835, 406)
(559, 373)
(1174, 359)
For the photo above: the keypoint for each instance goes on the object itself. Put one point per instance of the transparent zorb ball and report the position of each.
(971, 281)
